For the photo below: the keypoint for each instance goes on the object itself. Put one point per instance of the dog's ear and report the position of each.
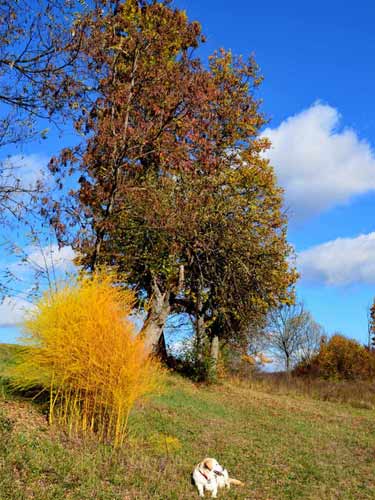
(208, 463)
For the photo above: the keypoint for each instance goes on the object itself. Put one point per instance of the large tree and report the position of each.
(140, 134)
(174, 189)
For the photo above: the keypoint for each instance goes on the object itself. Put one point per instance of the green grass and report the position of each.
(281, 446)
(7, 353)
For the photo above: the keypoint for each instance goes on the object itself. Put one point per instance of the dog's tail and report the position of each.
(236, 482)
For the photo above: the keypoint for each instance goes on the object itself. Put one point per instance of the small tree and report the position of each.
(293, 335)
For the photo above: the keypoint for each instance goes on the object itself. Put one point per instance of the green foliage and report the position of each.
(193, 360)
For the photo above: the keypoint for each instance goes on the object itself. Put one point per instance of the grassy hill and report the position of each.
(281, 446)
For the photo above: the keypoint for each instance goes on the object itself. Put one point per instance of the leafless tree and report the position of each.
(292, 334)
(39, 47)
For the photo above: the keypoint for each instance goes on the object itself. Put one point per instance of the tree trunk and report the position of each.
(200, 326)
(287, 364)
(200, 335)
(153, 327)
(214, 356)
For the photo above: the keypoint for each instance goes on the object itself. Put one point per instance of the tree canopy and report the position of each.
(174, 189)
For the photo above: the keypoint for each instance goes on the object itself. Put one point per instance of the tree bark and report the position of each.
(200, 335)
(153, 327)
(287, 364)
(200, 326)
(214, 356)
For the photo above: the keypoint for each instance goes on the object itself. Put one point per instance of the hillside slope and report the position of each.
(282, 447)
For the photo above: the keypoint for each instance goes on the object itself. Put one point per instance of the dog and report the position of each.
(209, 475)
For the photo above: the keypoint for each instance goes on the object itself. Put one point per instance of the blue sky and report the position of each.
(317, 61)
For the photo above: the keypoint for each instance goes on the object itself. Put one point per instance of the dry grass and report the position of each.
(358, 394)
(83, 351)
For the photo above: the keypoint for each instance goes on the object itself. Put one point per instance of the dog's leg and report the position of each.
(200, 490)
(214, 493)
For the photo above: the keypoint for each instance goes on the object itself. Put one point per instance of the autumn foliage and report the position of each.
(340, 358)
(82, 349)
(172, 176)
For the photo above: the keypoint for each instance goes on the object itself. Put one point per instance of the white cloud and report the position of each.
(51, 257)
(23, 170)
(318, 165)
(340, 262)
(43, 266)
(12, 311)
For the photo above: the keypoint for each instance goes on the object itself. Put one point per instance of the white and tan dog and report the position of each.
(209, 475)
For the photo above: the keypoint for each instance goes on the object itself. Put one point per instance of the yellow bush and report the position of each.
(82, 348)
